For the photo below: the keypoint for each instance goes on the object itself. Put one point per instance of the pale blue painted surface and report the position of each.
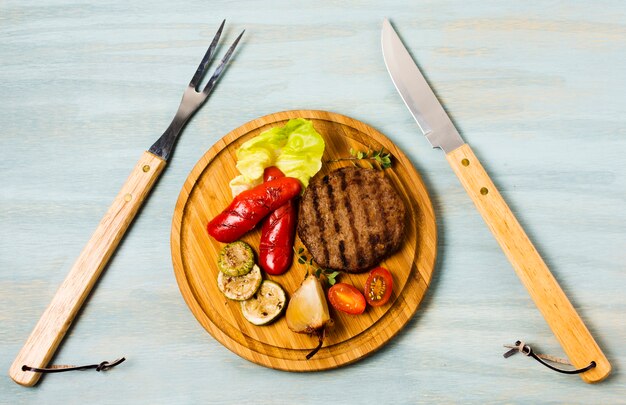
(537, 89)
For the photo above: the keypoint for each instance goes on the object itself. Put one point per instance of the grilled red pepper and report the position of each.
(249, 207)
(277, 233)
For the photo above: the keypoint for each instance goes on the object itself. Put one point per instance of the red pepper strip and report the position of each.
(249, 207)
(278, 233)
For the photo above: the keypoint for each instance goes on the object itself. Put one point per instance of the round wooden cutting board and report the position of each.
(194, 254)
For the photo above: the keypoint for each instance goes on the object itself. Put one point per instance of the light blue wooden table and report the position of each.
(537, 89)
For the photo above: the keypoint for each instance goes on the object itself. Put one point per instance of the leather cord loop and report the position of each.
(528, 351)
(560, 370)
(104, 366)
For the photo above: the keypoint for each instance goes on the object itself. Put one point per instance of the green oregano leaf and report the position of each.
(369, 157)
(332, 277)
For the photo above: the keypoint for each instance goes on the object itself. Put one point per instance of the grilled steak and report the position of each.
(351, 219)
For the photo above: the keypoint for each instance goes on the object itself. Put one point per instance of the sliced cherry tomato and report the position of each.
(346, 298)
(378, 287)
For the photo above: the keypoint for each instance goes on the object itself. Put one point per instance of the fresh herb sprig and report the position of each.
(313, 268)
(379, 157)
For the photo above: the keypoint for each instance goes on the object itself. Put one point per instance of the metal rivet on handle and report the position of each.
(465, 162)
(146, 168)
(484, 191)
(128, 197)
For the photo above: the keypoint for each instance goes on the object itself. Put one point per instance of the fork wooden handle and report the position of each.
(56, 319)
(558, 312)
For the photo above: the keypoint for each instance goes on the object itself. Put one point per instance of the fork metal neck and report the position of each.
(164, 146)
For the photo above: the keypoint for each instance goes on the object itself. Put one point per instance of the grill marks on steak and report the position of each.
(351, 219)
(319, 220)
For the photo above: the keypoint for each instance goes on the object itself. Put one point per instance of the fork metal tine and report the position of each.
(220, 68)
(192, 99)
(197, 77)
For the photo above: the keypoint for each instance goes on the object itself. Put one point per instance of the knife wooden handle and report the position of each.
(558, 312)
(56, 319)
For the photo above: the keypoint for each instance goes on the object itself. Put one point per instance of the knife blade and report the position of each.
(543, 288)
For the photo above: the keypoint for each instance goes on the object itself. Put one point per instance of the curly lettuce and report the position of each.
(295, 148)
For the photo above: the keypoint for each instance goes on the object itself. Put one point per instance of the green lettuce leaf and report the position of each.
(295, 148)
(260, 152)
(240, 183)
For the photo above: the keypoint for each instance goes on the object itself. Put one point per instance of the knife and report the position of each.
(439, 130)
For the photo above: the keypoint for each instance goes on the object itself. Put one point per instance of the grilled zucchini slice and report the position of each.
(236, 259)
(266, 305)
(240, 288)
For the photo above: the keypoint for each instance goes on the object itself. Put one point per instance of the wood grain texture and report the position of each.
(57, 318)
(557, 310)
(537, 89)
(206, 193)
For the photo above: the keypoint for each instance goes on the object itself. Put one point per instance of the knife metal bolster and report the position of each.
(447, 139)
